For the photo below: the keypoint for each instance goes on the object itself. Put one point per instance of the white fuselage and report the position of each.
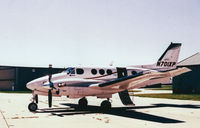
(76, 82)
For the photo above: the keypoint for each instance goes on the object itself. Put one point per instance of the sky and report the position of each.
(95, 32)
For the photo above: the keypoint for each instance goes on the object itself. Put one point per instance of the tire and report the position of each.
(32, 107)
(105, 105)
(83, 103)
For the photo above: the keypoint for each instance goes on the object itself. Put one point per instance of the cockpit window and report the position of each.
(70, 70)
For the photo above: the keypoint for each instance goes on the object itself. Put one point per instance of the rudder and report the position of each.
(169, 58)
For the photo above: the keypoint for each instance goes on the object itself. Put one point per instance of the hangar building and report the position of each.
(15, 78)
(188, 83)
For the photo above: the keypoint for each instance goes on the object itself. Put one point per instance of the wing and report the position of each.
(135, 81)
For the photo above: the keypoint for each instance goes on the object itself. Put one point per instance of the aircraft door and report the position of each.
(121, 72)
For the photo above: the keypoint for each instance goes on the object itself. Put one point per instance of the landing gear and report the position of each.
(106, 105)
(32, 107)
(83, 103)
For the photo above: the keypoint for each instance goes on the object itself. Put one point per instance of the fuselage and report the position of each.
(76, 80)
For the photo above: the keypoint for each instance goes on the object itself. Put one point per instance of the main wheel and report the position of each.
(32, 107)
(83, 103)
(105, 105)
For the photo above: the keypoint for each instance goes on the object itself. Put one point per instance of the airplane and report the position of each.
(103, 82)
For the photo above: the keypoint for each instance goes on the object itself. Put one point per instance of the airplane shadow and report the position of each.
(179, 106)
(129, 112)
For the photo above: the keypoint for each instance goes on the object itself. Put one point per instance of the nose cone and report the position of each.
(37, 83)
(30, 85)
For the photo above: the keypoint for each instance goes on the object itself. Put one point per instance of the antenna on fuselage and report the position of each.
(111, 63)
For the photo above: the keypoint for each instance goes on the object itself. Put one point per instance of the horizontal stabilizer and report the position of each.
(179, 71)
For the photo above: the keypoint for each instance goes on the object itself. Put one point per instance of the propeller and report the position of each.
(51, 86)
(50, 98)
(36, 98)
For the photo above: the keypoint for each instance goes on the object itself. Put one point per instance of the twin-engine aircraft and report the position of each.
(80, 82)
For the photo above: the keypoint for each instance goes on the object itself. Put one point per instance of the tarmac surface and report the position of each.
(148, 113)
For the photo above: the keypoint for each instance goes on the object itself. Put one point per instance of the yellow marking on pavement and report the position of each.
(24, 117)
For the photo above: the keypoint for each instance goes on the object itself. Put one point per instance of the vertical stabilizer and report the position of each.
(167, 61)
(169, 58)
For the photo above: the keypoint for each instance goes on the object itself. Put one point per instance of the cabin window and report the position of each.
(133, 72)
(79, 71)
(101, 71)
(94, 71)
(109, 72)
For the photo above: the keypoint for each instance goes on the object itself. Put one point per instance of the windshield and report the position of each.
(70, 70)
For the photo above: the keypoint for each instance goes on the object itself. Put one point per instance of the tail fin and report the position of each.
(167, 61)
(169, 58)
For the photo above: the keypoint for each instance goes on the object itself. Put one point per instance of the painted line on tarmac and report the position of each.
(5, 119)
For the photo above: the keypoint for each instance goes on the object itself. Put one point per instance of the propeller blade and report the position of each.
(36, 99)
(50, 72)
(50, 98)
(50, 76)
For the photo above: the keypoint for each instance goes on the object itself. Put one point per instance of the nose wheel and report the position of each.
(32, 107)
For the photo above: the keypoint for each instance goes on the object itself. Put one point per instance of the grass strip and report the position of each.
(134, 90)
(195, 97)
(163, 87)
